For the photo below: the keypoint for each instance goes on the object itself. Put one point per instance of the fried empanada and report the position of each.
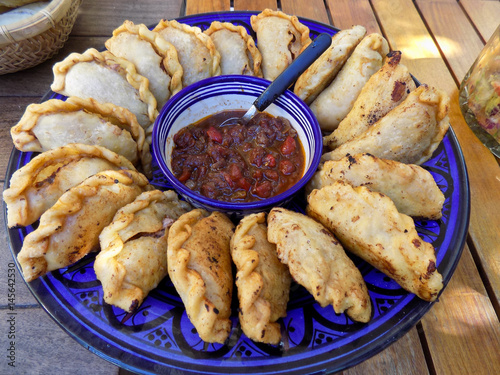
(237, 49)
(196, 51)
(369, 225)
(263, 282)
(280, 39)
(107, 79)
(133, 256)
(322, 72)
(318, 262)
(36, 186)
(384, 90)
(199, 265)
(154, 58)
(55, 123)
(335, 102)
(409, 133)
(70, 229)
(411, 188)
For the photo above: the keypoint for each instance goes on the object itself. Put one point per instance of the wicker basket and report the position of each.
(29, 42)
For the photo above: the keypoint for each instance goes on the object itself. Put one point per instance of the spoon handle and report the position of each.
(293, 71)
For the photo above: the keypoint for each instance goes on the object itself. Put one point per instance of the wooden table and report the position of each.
(439, 40)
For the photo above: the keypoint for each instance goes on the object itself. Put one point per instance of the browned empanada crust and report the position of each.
(322, 72)
(199, 265)
(386, 89)
(318, 262)
(36, 186)
(133, 256)
(70, 228)
(263, 282)
(411, 187)
(369, 225)
(409, 133)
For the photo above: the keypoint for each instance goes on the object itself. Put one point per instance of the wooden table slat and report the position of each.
(194, 7)
(399, 21)
(257, 5)
(347, 13)
(314, 9)
(100, 18)
(484, 14)
(462, 316)
(453, 34)
(483, 169)
(410, 359)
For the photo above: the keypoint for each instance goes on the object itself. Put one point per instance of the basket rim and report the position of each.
(41, 21)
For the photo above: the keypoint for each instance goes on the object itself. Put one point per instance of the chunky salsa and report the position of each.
(238, 162)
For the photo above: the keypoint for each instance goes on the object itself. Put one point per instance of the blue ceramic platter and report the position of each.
(159, 338)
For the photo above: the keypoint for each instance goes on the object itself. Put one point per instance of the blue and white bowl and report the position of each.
(231, 92)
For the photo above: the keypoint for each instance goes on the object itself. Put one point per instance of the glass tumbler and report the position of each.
(480, 95)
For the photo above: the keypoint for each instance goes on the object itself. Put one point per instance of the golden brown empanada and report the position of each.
(70, 229)
(36, 186)
(107, 79)
(154, 58)
(199, 265)
(318, 262)
(409, 133)
(322, 72)
(384, 90)
(196, 51)
(263, 282)
(55, 123)
(133, 256)
(237, 49)
(280, 39)
(335, 102)
(411, 188)
(369, 225)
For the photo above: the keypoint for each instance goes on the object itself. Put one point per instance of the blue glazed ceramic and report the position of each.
(159, 338)
(217, 94)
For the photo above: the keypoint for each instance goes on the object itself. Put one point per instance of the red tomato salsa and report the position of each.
(238, 162)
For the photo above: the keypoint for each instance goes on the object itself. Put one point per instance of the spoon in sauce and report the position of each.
(286, 78)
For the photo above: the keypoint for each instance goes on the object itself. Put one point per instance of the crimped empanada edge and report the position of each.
(215, 69)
